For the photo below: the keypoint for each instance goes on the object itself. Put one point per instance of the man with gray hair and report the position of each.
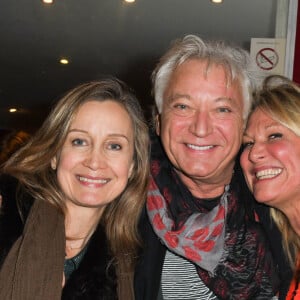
(201, 238)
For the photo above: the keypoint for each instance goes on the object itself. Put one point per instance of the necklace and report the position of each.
(76, 244)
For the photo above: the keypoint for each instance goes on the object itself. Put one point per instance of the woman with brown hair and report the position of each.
(72, 199)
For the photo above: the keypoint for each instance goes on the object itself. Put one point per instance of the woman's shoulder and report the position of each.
(11, 217)
(10, 222)
(11, 191)
(8, 190)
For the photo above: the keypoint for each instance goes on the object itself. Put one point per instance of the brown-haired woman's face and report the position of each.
(271, 160)
(96, 159)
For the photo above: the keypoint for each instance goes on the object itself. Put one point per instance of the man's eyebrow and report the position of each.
(178, 96)
(224, 99)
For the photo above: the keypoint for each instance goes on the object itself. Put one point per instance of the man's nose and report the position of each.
(201, 124)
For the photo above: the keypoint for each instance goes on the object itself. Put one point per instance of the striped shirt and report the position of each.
(180, 280)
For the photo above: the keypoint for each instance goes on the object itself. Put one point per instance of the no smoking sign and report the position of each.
(269, 54)
(267, 58)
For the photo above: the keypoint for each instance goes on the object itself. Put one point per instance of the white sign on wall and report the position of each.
(269, 54)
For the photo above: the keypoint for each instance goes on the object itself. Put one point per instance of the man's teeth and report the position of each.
(199, 147)
(97, 181)
(269, 173)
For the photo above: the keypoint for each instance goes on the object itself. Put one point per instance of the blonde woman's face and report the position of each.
(271, 161)
(97, 157)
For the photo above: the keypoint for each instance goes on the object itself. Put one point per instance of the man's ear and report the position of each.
(157, 124)
(53, 163)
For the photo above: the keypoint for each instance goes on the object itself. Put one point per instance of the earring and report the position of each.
(53, 163)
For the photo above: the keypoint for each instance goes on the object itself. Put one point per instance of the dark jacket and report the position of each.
(91, 280)
(149, 268)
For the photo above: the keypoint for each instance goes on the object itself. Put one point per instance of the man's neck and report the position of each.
(203, 188)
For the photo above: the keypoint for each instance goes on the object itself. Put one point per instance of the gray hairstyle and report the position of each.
(235, 61)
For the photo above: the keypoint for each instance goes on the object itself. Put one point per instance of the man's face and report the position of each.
(201, 123)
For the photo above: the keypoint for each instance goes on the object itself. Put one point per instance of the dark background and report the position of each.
(105, 37)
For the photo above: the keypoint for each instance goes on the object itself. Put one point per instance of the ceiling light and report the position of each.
(12, 110)
(48, 1)
(216, 1)
(130, 1)
(64, 61)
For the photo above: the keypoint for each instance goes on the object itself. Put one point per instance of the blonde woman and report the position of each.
(271, 162)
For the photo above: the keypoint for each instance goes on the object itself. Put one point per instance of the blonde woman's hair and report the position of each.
(280, 98)
(31, 165)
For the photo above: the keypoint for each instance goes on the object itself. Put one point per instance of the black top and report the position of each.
(95, 276)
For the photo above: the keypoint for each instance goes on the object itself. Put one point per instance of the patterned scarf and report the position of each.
(294, 290)
(201, 245)
(225, 243)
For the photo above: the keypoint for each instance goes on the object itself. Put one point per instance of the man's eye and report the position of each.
(115, 147)
(224, 109)
(78, 142)
(181, 106)
(274, 136)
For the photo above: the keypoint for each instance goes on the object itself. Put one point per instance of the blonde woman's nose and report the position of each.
(257, 151)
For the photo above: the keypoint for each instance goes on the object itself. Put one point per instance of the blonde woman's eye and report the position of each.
(247, 145)
(274, 136)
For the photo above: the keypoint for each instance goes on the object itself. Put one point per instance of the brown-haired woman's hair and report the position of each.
(11, 142)
(280, 98)
(32, 166)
